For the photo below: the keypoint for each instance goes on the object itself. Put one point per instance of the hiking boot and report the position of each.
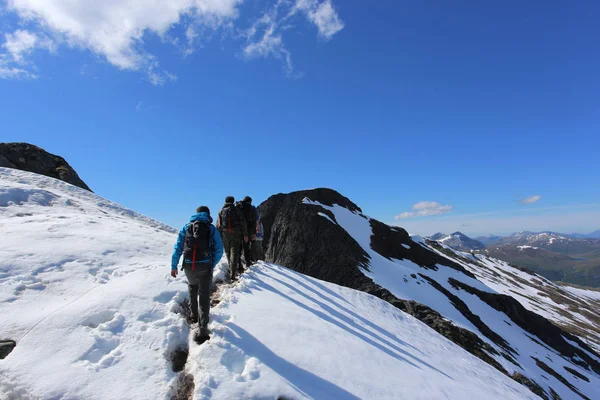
(201, 335)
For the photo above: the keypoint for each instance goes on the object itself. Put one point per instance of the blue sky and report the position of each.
(436, 117)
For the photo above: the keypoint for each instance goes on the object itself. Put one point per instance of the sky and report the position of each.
(434, 116)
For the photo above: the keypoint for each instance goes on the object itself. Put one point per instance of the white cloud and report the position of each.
(264, 37)
(531, 200)
(323, 15)
(116, 29)
(22, 42)
(10, 72)
(425, 208)
(16, 46)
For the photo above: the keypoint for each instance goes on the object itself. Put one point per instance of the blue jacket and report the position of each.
(216, 243)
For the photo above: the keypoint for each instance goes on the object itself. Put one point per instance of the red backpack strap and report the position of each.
(194, 259)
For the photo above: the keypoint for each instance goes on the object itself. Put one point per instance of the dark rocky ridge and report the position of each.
(339, 258)
(30, 158)
(300, 239)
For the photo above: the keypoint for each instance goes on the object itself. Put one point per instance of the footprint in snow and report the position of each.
(104, 353)
(243, 367)
(106, 328)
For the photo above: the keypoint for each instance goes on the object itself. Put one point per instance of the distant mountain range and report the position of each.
(458, 241)
(573, 258)
(593, 235)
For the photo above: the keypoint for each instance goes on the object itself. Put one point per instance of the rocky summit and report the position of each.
(30, 158)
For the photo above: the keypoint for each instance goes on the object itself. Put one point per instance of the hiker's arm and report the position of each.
(218, 224)
(218, 247)
(178, 249)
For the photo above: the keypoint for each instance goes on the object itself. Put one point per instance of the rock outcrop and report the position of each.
(6, 347)
(27, 157)
(304, 236)
(297, 237)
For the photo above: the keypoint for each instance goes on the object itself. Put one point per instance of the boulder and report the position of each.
(6, 347)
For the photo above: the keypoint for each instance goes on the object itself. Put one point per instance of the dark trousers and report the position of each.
(199, 282)
(248, 253)
(232, 243)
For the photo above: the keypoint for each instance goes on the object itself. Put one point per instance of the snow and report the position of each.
(406, 246)
(84, 290)
(327, 217)
(328, 342)
(397, 277)
(591, 294)
(86, 293)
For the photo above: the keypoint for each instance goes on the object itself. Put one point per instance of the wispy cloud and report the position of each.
(531, 200)
(116, 30)
(425, 208)
(16, 47)
(140, 106)
(264, 37)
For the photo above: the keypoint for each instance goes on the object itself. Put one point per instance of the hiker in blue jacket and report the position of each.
(201, 246)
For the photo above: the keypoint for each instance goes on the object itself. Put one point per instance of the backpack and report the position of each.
(248, 212)
(229, 219)
(197, 241)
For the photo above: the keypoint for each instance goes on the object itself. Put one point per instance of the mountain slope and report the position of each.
(323, 234)
(555, 256)
(551, 265)
(282, 334)
(85, 293)
(573, 309)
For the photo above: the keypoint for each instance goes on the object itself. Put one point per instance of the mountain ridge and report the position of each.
(401, 270)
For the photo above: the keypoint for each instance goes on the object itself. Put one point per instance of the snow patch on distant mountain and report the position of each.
(458, 240)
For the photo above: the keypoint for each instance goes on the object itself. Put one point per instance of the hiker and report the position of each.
(257, 246)
(251, 217)
(233, 229)
(202, 249)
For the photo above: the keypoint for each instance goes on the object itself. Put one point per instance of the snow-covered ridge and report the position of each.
(281, 334)
(518, 349)
(28, 189)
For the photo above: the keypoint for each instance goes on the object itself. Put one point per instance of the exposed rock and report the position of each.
(537, 325)
(28, 157)
(6, 347)
(558, 376)
(532, 385)
(294, 232)
(390, 242)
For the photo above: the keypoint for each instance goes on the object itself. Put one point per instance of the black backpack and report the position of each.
(229, 218)
(198, 241)
(247, 211)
